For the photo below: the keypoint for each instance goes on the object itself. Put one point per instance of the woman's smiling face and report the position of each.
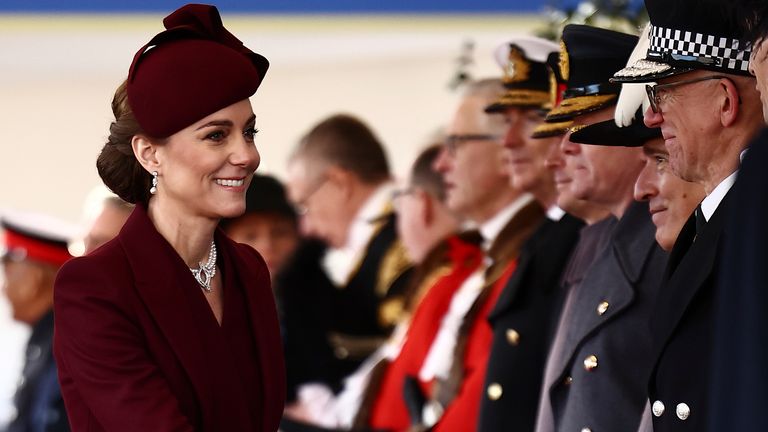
(205, 169)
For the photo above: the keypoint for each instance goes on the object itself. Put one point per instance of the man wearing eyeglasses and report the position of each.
(339, 178)
(598, 365)
(707, 108)
(478, 188)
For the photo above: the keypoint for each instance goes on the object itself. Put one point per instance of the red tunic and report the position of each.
(389, 410)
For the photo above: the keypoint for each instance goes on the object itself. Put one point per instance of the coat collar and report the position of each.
(633, 240)
(164, 283)
(255, 282)
(545, 251)
(508, 243)
(530, 250)
(613, 278)
(693, 260)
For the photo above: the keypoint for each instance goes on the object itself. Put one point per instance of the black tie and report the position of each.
(701, 221)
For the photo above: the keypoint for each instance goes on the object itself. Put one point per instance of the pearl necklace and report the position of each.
(205, 272)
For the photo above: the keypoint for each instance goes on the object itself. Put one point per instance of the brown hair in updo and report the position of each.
(117, 165)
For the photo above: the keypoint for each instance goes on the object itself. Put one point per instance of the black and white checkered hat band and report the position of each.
(713, 51)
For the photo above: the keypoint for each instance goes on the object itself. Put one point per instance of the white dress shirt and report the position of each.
(555, 213)
(713, 200)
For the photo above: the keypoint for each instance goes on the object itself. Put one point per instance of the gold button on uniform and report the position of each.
(683, 411)
(602, 308)
(590, 363)
(495, 391)
(568, 380)
(513, 337)
(658, 408)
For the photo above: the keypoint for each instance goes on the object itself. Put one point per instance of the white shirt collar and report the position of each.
(555, 213)
(361, 229)
(713, 200)
(340, 262)
(491, 228)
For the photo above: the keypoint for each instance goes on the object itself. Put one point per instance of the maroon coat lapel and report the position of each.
(253, 275)
(163, 282)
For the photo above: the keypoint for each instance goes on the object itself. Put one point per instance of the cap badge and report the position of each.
(518, 67)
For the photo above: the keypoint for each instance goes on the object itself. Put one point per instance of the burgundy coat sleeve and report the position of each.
(105, 369)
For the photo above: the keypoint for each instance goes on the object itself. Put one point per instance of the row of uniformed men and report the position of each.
(579, 320)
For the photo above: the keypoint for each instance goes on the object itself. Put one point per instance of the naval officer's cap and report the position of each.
(525, 76)
(589, 56)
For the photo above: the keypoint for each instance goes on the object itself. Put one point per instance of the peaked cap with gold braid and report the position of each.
(523, 61)
(589, 56)
(556, 89)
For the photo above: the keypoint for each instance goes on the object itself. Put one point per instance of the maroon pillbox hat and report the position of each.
(192, 69)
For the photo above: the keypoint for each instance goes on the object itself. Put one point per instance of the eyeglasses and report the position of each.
(654, 94)
(301, 205)
(452, 142)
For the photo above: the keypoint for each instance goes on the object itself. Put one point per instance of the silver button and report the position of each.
(586, 430)
(602, 308)
(495, 391)
(590, 363)
(683, 411)
(658, 408)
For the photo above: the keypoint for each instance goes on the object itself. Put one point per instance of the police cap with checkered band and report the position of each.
(689, 35)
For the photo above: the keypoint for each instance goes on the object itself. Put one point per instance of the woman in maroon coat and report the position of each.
(172, 326)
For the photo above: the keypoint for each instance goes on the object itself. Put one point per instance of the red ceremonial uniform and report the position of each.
(389, 411)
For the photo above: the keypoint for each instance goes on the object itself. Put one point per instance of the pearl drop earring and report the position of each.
(153, 189)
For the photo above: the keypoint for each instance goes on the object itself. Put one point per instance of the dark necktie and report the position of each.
(701, 221)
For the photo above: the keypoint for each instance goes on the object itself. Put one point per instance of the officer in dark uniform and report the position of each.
(34, 248)
(522, 318)
(599, 362)
(707, 108)
(741, 323)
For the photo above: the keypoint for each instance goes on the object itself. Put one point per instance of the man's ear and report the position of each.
(341, 179)
(145, 152)
(427, 205)
(731, 103)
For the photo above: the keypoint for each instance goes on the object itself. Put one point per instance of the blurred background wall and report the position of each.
(58, 73)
